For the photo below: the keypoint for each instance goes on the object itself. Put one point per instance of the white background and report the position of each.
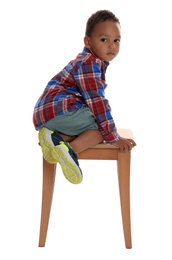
(37, 39)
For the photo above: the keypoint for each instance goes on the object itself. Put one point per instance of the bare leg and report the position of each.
(67, 138)
(84, 141)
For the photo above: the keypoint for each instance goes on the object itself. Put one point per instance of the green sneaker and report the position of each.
(55, 149)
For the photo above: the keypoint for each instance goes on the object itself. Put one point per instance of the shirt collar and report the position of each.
(89, 51)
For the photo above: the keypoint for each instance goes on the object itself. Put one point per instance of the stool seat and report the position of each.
(101, 151)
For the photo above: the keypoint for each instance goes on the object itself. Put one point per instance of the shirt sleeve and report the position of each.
(90, 80)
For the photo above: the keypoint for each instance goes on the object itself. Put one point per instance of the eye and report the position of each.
(117, 40)
(103, 40)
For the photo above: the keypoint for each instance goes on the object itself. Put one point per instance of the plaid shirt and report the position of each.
(82, 81)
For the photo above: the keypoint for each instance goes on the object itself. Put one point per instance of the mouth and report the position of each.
(111, 53)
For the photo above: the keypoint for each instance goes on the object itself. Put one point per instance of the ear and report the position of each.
(87, 42)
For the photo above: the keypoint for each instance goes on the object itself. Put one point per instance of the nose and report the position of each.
(112, 45)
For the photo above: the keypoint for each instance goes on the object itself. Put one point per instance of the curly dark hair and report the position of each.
(99, 17)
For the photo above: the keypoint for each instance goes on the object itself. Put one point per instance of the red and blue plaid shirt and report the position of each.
(82, 81)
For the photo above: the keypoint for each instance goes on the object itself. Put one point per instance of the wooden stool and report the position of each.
(99, 152)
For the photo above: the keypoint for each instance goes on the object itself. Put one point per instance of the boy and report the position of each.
(73, 114)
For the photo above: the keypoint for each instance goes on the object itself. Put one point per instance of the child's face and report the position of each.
(104, 41)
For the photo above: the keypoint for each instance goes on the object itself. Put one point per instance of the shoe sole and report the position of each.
(70, 170)
(46, 145)
(54, 154)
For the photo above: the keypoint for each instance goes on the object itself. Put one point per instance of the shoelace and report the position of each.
(56, 138)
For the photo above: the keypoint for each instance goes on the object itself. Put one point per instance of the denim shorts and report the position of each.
(73, 123)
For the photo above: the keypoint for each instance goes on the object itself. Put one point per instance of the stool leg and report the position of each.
(123, 163)
(49, 172)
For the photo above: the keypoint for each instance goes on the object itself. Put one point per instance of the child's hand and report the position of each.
(124, 145)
